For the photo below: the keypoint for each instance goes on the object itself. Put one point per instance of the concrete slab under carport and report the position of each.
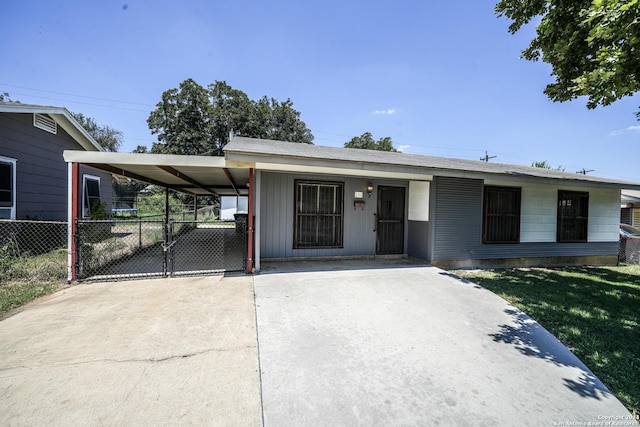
(411, 345)
(147, 352)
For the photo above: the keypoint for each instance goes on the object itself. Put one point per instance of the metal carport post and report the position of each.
(250, 225)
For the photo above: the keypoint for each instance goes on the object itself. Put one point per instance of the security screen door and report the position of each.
(390, 221)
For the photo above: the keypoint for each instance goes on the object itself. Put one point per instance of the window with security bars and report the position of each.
(573, 213)
(501, 215)
(319, 214)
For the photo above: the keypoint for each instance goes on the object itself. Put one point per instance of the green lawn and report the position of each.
(594, 311)
(24, 279)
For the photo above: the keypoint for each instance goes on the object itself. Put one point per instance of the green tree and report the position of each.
(141, 149)
(366, 142)
(5, 97)
(592, 46)
(195, 120)
(545, 165)
(182, 120)
(109, 138)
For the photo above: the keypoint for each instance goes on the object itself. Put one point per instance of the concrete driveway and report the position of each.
(353, 345)
(149, 353)
(413, 346)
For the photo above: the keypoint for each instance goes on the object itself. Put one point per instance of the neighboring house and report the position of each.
(309, 201)
(630, 207)
(34, 180)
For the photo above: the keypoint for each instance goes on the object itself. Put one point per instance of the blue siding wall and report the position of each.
(277, 217)
(41, 172)
(417, 245)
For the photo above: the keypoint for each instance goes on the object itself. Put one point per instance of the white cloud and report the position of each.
(402, 148)
(386, 112)
(617, 132)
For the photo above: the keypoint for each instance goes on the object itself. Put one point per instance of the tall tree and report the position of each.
(195, 120)
(592, 46)
(182, 120)
(109, 138)
(366, 142)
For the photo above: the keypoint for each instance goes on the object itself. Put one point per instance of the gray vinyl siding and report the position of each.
(41, 172)
(417, 245)
(458, 218)
(457, 229)
(277, 217)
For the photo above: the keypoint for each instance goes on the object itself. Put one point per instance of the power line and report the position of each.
(81, 103)
(77, 96)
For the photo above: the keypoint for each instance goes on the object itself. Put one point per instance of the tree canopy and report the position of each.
(546, 165)
(109, 138)
(366, 142)
(192, 119)
(592, 46)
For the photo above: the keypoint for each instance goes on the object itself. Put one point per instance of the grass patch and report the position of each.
(23, 279)
(594, 311)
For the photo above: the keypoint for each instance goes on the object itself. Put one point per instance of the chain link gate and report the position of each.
(629, 250)
(127, 249)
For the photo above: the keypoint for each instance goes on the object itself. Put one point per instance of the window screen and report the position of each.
(7, 189)
(91, 194)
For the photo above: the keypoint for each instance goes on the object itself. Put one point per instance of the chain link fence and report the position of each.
(630, 250)
(33, 250)
(118, 249)
(30, 238)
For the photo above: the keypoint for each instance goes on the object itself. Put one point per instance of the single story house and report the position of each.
(34, 178)
(630, 207)
(310, 201)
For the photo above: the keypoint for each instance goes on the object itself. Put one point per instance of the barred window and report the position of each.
(318, 214)
(573, 213)
(501, 215)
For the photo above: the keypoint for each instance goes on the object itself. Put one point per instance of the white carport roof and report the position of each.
(201, 175)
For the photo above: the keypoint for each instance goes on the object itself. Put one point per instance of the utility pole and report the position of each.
(585, 171)
(487, 156)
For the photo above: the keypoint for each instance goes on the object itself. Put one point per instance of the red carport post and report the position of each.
(250, 225)
(73, 182)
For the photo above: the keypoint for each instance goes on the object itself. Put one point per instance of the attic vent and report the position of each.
(44, 122)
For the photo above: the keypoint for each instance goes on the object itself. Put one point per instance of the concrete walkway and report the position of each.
(361, 343)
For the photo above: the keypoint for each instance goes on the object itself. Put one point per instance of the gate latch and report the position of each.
(166, 247)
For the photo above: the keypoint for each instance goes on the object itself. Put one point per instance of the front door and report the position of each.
(390, 221)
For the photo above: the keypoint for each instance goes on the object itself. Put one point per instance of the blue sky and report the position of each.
(439, 78)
